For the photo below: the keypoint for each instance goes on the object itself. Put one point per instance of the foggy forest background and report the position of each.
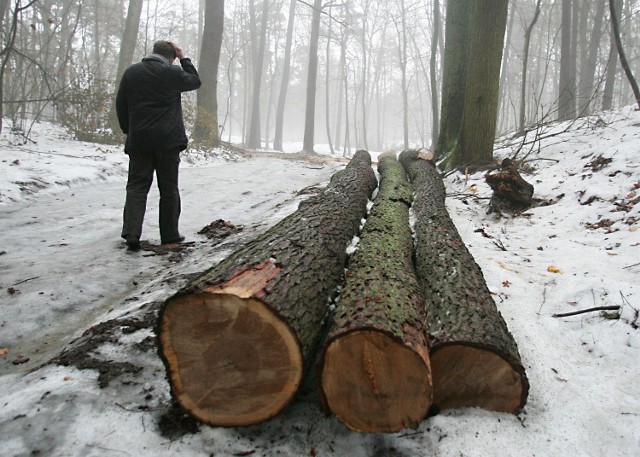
(379, 74)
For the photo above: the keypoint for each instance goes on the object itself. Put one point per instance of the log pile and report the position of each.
(474, 358)
(375, 374)
(237, 340)
(415, 328)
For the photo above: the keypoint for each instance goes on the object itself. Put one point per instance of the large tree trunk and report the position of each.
(376, 375)
(237, 340)
(478, 128)
(286, 73)
(567, 88)
(206, 130)
(127, 49)
(312, 78)
(612, 65)
(458, 24)
(474, 358)
(254, 141)
(525, 65)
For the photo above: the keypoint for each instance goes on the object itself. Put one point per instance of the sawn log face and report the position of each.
(376, 375)
(468, 338)
(237, 339)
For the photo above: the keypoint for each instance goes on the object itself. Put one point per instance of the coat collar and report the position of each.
(156, 57)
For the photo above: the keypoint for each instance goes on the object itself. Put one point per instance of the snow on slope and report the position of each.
(61, 255)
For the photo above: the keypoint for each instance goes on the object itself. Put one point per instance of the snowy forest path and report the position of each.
(64, 266)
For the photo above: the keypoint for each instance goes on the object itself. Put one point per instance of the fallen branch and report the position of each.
(589, 310)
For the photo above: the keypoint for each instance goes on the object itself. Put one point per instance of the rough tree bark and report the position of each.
(474, 358)
(206, 128)
(237, 340)
(375, 375)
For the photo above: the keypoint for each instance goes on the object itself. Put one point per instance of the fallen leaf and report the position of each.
(506, 283)
(612, 253)
(473, 188)
(552, 269)
(631, 194)
(20, 360)
(67, 378)
(633, 229)
(13, 290)
(4, 351)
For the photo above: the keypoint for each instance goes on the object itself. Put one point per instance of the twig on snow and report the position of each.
(588, 310)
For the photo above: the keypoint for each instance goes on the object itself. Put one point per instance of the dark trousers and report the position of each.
(141, 168)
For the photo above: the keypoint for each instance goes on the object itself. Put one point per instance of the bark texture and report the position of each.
(237, 339)
(474, 358)
(376, 375)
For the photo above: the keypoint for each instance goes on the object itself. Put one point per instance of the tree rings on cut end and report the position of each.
(466, 377)
(373, 382)
(231, 360)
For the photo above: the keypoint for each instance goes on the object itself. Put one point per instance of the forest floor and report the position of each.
(79, 368)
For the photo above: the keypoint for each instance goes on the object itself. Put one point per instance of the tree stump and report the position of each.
(510, 191)
(237, 340)
(375, 373)
(474, 358)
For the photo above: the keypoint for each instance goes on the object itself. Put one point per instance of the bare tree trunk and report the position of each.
(588, 67)
(612, 65)
(503, 111)
(206, 130)
(478, 127)
(402, 55)
(525, 64)
(623, 58)
(435, 105)
(254, 129)
(327, 81)
(455, 68)
(127, 49)
(312, 78)
(284, 85)
(567, 89)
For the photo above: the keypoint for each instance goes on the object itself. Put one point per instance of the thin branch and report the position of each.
(588, 310)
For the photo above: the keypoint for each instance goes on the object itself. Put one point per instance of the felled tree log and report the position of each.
(375, 373)
(474, 358)
(237, 339)
(510, 191)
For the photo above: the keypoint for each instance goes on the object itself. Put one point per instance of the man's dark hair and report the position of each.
(165, 49)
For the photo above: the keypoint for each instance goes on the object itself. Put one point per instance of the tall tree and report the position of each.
(567, 88)
(286, 74)
(623, 57)
(206, 130)
(312, 78)
(525, 64)
(127, 49)
(612, 65)
(254, 128)
(589, 62)
(478, 126)
(455, 67)
(435, 108)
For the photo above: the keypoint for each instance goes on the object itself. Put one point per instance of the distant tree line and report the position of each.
(347, 74)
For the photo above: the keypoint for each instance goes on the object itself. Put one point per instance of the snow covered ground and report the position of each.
(65, 272)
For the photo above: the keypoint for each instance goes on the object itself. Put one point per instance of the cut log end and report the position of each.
(374, 383)
(466, 377)
(231, 360)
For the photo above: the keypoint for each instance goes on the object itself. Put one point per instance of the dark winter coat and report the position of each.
(149, 104)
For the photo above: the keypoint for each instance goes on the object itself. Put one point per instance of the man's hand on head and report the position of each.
(179, 51)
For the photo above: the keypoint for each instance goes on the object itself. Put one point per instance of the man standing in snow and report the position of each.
(149, 108)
